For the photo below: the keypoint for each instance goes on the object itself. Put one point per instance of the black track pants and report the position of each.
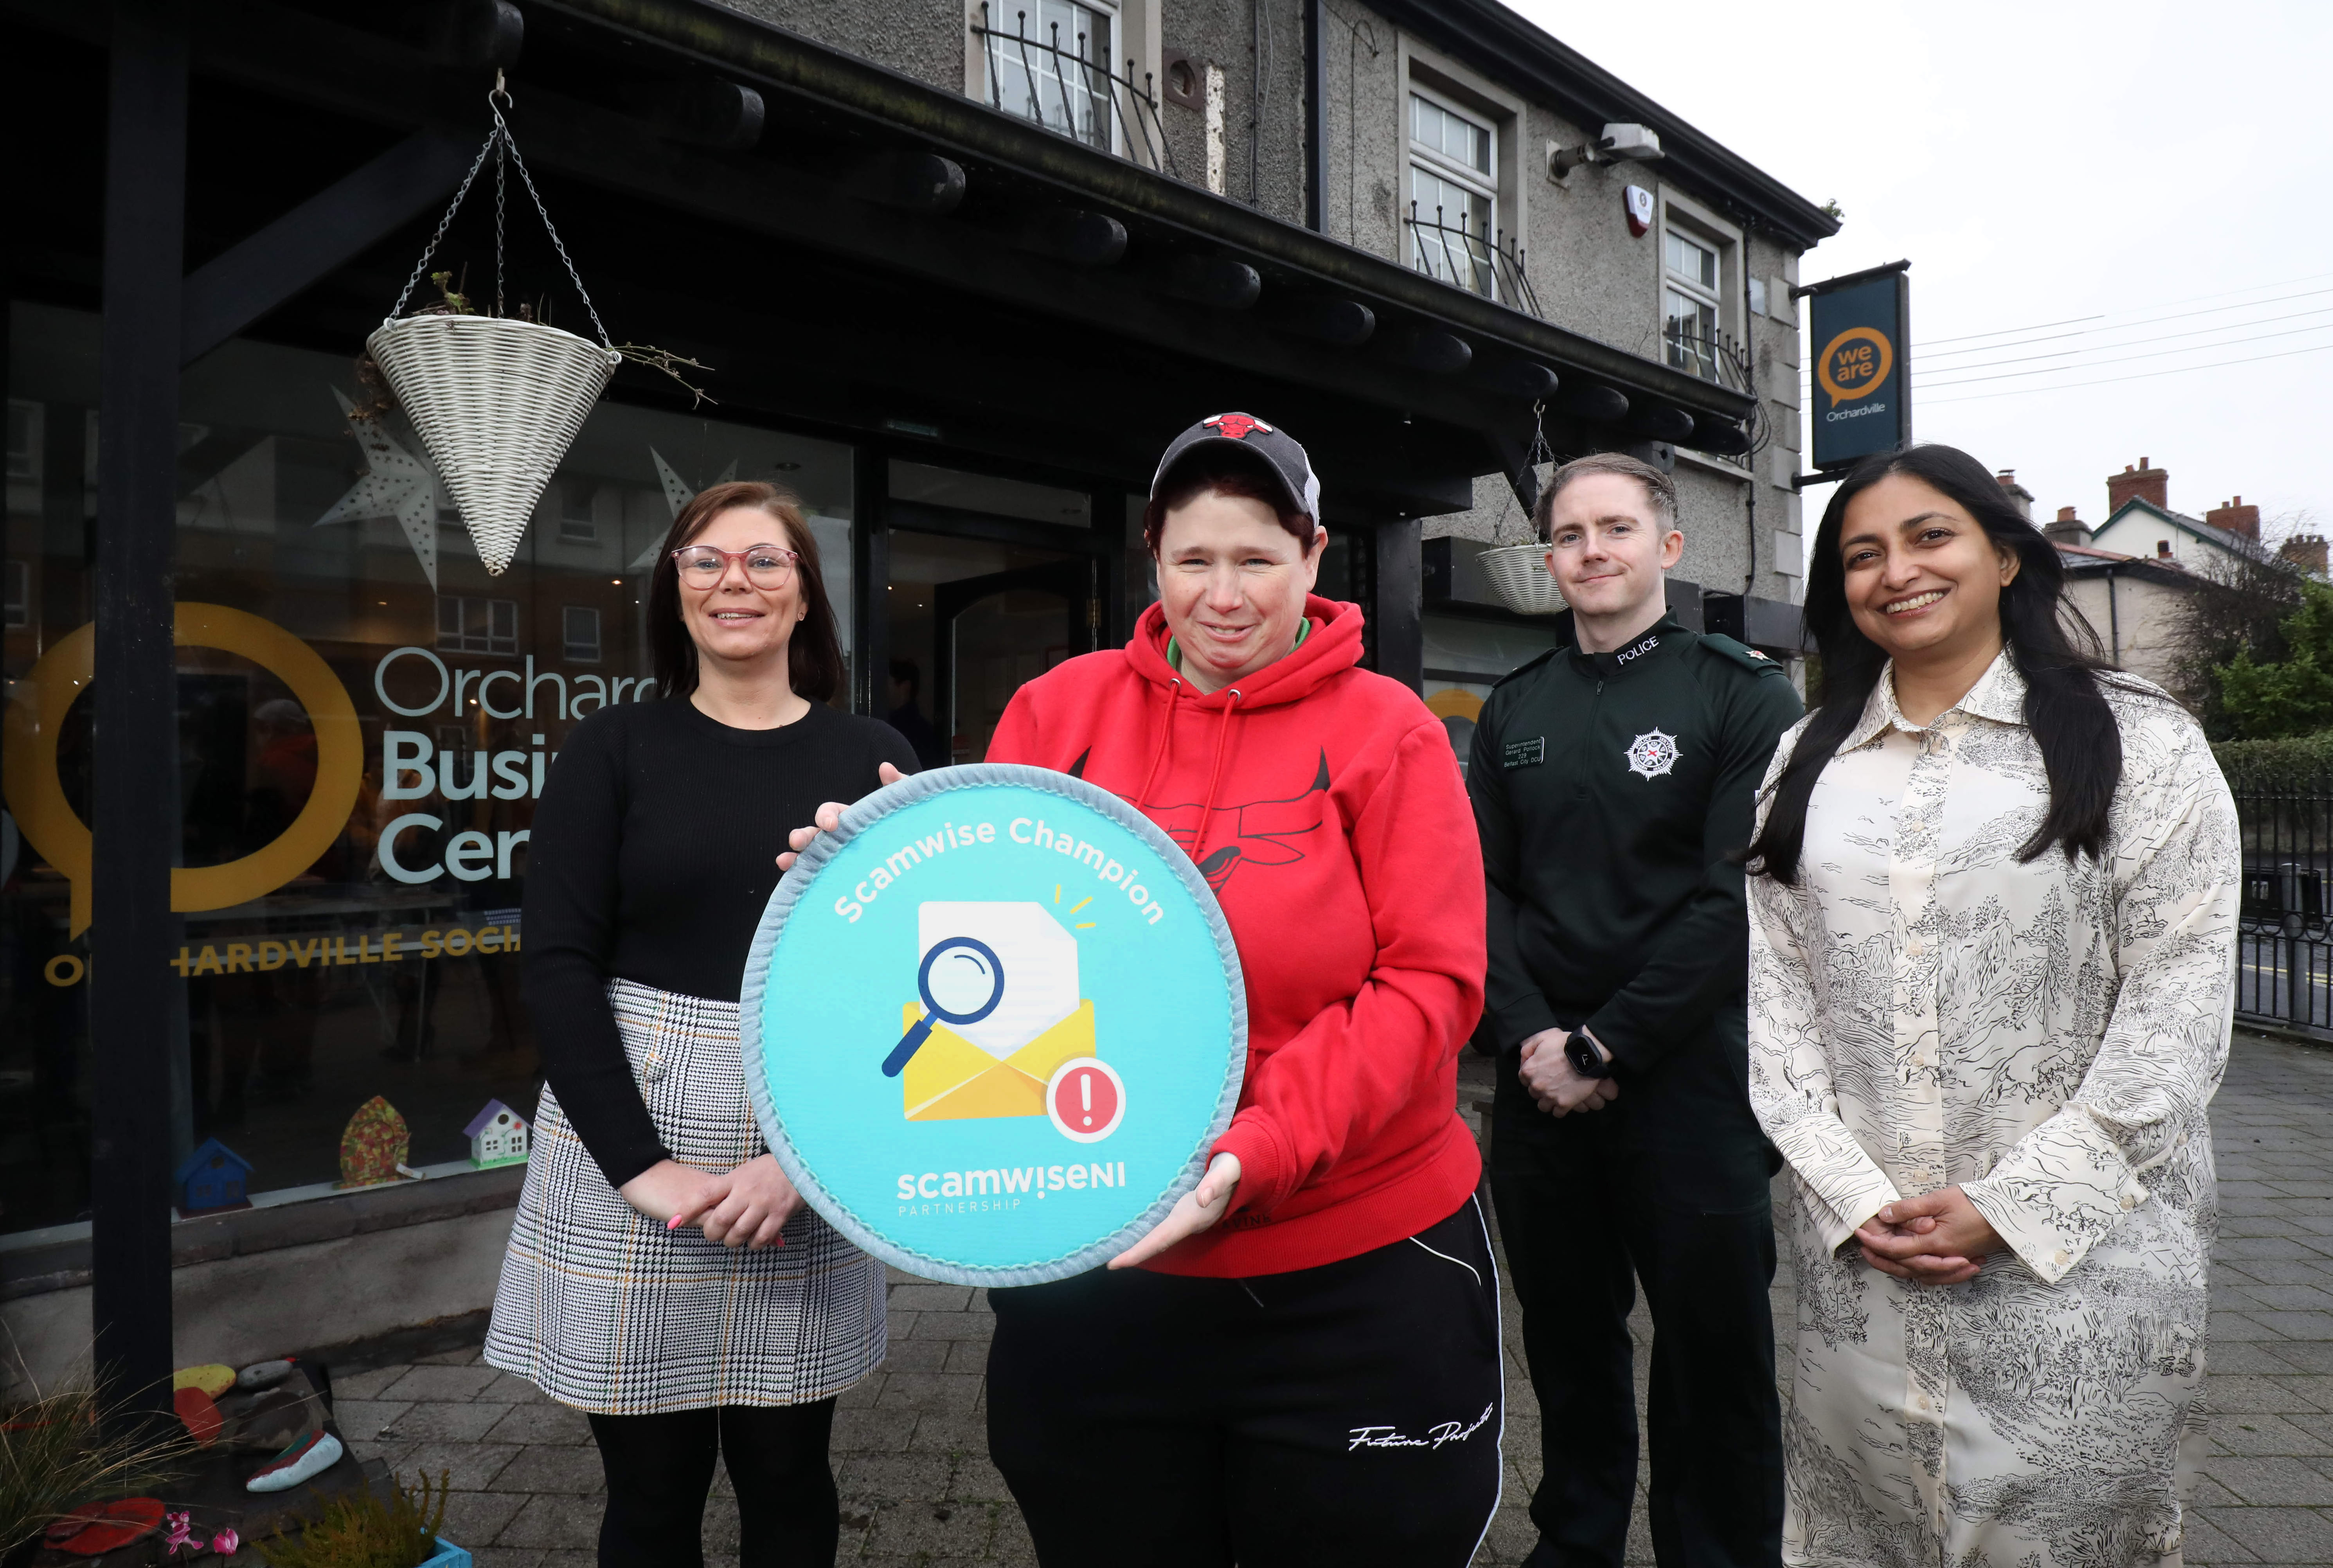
(661, 1469)
(1344, 1415)
(1585, 1213)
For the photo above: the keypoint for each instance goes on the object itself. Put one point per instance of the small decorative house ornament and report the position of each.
(374, 1147)
(214, 1176)
(497, 1135)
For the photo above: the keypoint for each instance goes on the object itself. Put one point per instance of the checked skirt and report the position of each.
(604, 1309)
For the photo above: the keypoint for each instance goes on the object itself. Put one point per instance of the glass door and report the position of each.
(971, 621)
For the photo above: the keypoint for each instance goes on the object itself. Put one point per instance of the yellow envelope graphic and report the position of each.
(949, 1076)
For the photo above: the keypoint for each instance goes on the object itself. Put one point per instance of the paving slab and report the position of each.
(910, 1441)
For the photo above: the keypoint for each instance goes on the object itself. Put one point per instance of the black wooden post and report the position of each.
(1399, 611)
(136, 826)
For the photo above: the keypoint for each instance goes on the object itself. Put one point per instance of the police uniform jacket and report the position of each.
(1612, 792)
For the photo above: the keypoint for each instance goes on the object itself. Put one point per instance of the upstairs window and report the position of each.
(1050, 61)
(1689, 303)
(1453, 173)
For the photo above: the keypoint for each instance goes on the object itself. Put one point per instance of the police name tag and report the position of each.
(992, 1027)
(1525, 753)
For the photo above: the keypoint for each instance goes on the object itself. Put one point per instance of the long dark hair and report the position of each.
(2081, 747)
(814, 657)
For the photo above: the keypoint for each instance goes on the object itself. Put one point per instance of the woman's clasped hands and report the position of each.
(747, 1207)
(1936, 1238)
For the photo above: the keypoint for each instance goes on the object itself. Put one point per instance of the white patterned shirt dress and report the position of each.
(1925, 1011)
(606, 1310)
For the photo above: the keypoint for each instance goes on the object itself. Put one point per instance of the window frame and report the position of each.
(1135, 37)
(1688, 219)
(1457, 88)
(568, 643)
(579, 513)
(1434, 163)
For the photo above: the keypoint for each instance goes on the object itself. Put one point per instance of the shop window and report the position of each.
(386, 963)
(1465, 657)
(578, 524)
(580, 628)
(478, 625)
(1453, 175)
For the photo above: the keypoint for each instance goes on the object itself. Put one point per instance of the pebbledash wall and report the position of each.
(1589, 272)
(1397, 80)
(347, 663)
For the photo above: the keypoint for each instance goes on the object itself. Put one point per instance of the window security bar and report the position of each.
(1060, 88)
(1461, 256)
(1725, 360)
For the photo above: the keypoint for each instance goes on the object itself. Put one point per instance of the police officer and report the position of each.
(1612, 781)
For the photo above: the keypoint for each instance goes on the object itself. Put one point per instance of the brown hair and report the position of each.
(814, 657)
(1659, 488)
(1224, 470)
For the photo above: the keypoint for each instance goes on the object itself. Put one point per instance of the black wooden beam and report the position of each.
(1399, 610)
(241, 284)
(136, 825)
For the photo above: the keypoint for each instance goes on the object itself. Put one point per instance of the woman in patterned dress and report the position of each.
(1993, 930)
(662, 1274)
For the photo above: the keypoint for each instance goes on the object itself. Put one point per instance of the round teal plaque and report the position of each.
(993, 1025)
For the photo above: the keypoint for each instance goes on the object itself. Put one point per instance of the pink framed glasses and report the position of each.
(766, 565)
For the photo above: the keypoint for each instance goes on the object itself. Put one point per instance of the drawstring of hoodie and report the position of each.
(1215, 777)
(1165, 733)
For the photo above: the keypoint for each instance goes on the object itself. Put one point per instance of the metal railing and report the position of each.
(1066, 90)
(1471, 259)
(1727, 361)
(2284, 945)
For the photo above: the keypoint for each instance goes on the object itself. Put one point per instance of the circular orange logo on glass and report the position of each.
(1855, 363)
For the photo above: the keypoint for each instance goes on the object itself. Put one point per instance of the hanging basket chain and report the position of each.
(505, 147)
(502, 182)
(438, 239)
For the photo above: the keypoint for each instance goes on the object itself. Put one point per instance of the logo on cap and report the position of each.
(1237, 425)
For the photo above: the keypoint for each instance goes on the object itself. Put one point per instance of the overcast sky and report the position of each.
(2040, 162)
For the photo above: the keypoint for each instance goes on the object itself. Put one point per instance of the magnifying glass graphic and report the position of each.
(961, 982)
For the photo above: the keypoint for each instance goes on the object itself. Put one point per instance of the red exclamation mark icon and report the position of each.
(1085, 1099)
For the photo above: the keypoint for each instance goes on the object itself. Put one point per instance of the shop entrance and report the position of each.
(972, 620)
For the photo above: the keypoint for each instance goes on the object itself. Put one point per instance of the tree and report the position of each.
(2292, 695)
(2236, 611)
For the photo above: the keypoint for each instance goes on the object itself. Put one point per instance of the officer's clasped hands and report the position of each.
(1554, 1085)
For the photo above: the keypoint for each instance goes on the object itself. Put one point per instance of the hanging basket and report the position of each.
(497, 402)
(1520, 577)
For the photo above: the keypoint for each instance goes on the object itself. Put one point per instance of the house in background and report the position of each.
(2141, 523)
(2134, 603)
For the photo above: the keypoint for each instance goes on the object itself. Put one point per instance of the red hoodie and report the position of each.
(1324, 806)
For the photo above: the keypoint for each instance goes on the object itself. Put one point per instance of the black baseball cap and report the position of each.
(1282, 457)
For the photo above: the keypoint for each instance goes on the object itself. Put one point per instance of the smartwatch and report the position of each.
(1585, 1060)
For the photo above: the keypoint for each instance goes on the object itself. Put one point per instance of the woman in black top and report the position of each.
(663, 1275)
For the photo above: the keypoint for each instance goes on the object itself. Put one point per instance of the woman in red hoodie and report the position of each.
(1304, 1366)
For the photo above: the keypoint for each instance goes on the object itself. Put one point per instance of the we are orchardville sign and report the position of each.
(1860, 326)
(992, 1027)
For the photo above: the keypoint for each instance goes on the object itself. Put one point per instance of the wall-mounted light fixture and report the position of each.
(1620, 143)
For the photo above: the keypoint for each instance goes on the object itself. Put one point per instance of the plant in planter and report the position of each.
(56, 1455)
(1518, 574)
(496, 398)
(363, 1529)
